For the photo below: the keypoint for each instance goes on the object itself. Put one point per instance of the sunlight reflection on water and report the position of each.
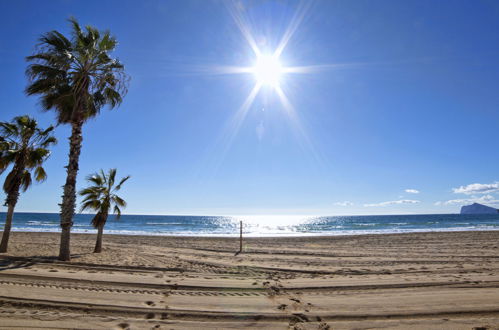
(260, 225)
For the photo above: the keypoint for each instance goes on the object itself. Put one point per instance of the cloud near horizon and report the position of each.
(402, 201)
(345, 203)
(412, 191)
(477, 188)
(489, 199)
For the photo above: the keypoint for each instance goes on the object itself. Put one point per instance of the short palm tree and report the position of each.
(76, 77)
(23, 145)
(101, 197)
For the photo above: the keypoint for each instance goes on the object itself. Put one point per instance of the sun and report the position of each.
(267, 70)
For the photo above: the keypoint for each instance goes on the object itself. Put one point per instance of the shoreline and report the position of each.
(432, 280)
(277, 239)
(291, 235)
(274, 226)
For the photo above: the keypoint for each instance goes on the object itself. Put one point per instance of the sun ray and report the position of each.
(293, 26)
(236, 12)
(222, 70)
(233, 126)
(319, 68)
(303, 137)
(240, 115)
(211, 164)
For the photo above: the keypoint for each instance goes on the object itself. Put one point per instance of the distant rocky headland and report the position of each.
(477, 208)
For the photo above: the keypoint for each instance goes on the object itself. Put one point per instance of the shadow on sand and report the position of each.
(10, 262)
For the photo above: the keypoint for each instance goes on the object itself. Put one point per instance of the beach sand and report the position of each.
(398, 281)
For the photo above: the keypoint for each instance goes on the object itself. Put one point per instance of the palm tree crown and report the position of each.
(76, 76)
(101, 196)
(25, 146)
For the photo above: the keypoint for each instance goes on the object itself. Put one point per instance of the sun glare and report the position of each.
(267, 70)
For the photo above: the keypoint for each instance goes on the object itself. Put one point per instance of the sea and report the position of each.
(259, 226)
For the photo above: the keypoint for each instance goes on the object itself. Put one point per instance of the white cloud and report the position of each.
(477, 188)
(486, 199)
(345, 203)
(412, 191)
(402, 201)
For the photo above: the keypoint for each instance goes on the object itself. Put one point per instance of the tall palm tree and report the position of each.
(24, 146)
(76, 77)
(101, 197)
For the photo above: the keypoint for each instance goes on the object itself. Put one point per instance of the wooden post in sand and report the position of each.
(241, 237)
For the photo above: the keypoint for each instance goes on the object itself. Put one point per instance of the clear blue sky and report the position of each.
(406, 96)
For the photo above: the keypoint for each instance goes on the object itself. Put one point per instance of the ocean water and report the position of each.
(259, 225)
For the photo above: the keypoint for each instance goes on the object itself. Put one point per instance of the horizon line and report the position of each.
(253, 214)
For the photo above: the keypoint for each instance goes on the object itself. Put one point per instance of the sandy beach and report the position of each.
(399, 281)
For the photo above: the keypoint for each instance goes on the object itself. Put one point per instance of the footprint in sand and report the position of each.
(324, 326)
(123, 325)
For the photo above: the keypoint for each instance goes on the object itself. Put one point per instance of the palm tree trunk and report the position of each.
(6, 229)
(98, 243)
(11, 201)
(69, 197)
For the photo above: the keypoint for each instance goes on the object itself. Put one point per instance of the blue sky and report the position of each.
(404, 95)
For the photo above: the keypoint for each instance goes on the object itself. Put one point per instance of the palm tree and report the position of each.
(76, 77)
(101, 197)
(24, 145)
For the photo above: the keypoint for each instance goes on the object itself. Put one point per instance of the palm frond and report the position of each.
(40, 174)
(92, 191)
(26, 180)
(47, 131)
(90, 205)
(35, 157)
(51, 140)
(56, 42)
(111, 177)
(9, 182)
(8, 130)
(122, 181)
(8, 156)
(118, 201)
(96, 179)
(117, 211)
(77, 33)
